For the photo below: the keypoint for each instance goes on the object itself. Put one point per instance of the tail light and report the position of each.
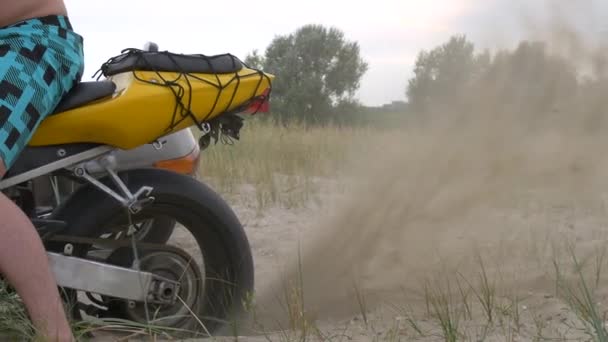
(260, 104)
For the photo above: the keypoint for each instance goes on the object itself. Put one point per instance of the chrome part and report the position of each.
(82, 173)
(158, 144)
(134, 202)
(55, 187)
(68, 249)
(99, 165)
(136, 261)
(61, 152)
(107, 162)
(109, 280)
(206, 128)
(175, 267)
(54, 166)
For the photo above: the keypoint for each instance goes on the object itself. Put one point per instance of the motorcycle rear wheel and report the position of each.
(218, 237)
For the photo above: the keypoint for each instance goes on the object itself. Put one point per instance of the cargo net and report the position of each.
(187, 67)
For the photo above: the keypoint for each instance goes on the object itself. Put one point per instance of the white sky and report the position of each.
(390, 32)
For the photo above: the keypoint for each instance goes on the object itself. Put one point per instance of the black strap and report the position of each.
(183, 111)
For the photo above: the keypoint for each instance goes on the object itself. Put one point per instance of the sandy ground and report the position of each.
(430, 211)
(425, 212)
(431, 216)
(517, 245)
(436, 208)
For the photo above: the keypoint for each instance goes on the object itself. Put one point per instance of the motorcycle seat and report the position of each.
(168, 62)
(83, 93)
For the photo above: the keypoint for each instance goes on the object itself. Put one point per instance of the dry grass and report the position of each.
(286, 166)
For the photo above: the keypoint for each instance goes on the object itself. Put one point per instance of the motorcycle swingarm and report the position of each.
(109, 280)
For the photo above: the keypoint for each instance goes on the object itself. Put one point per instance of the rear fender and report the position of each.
(89, 197)
(86, 197)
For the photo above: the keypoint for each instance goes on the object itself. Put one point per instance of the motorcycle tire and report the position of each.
(220, 237)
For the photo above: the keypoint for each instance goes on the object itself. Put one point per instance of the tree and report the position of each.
(254, 60)
(525, 80)
(444, 72)
(317, 71)
(530, 77)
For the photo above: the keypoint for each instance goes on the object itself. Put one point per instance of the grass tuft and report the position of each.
(444, 309)
(581, 297)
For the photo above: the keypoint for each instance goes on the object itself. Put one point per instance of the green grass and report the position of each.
(579, 292)
(443, 308)
(14, 321)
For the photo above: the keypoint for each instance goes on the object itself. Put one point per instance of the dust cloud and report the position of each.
(484, 174)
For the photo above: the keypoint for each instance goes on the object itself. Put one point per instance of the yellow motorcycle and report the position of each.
(196, 281)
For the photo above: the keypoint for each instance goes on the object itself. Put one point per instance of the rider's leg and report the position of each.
(40, 60)
(24, 263)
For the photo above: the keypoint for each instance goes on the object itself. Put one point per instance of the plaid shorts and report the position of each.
(41, 59)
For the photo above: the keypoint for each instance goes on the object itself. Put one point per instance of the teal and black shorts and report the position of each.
(41, 59)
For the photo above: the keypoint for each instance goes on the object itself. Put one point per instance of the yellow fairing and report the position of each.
(140, 112)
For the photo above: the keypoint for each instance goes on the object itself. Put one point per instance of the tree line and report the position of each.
(319, 71)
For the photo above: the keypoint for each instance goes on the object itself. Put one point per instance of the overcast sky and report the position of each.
(390, 32)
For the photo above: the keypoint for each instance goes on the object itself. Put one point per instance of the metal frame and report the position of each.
(92, 276)
(134, 202)
(114, 281)
(54, 166)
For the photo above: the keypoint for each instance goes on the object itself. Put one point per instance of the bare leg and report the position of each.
(24, 263)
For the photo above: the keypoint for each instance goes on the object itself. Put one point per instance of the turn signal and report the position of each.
(185, 165)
